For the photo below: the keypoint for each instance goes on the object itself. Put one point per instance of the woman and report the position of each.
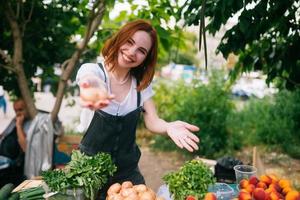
(117, 91)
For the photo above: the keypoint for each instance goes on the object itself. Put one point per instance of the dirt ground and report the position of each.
(154, 165)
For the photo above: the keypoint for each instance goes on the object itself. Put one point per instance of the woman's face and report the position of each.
(135, 50)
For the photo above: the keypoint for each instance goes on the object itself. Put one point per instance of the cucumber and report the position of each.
(14, 196)
(32, 193)
(6, 190)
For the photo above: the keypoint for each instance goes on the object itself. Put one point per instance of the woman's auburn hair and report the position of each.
(143, 73)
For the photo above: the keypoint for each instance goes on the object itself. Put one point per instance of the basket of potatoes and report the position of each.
(128, 191)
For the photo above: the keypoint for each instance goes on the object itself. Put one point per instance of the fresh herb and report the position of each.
(87, 172)
(193, 178)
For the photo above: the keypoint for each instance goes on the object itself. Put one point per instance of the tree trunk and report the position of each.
(17, 61)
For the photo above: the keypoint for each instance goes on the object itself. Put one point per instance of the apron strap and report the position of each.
(138, 93)
(101, 67)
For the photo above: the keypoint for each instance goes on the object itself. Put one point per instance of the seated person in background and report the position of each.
(33, 138)
(13, 145)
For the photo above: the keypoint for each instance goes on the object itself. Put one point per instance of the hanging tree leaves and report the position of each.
(266, 37)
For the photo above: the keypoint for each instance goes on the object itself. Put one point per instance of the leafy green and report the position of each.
(193, 178)
(87, 172)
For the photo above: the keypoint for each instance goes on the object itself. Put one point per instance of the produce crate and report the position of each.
(28, 184)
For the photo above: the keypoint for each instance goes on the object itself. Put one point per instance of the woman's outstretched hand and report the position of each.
(93, 93)
(181, 133)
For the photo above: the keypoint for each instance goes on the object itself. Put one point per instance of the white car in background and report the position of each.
(252, 84)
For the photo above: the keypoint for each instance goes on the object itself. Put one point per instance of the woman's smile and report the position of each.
(127, 58)
(134, 51)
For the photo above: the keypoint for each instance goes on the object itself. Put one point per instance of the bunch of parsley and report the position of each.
(87, 172)
(193, 178)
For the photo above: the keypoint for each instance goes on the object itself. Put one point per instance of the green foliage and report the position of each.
(87, 172)
(184, 50)
(243, 124)
(47, 32)
(273, 122)
(193, 178)
(266, 36)
(206, 106)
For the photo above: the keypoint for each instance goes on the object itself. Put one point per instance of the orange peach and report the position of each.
(266, 179)
(253, 180)
(292, 195)
(244, 190)
(244, 195)
(210, 196)
(274, 196)
(244, 183)
(274, 178)
(275, 186)
(259, 194)
(250, 188)
(286, 190)
(261, 184)
(283, 183)
(269, 190)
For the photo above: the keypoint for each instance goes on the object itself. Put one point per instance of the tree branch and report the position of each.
(6, 57)
(28, 18)
(95, 18)
(9, 68)
(65, 64)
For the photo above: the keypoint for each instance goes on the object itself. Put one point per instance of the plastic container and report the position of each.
(244, 172)
(70, 194)
(222, 190)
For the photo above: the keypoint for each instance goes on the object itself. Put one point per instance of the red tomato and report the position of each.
(190, 197)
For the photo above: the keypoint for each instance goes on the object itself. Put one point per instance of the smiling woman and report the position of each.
(126, 74)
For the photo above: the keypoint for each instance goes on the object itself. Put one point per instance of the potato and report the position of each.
(113, 189)
(114, 197)
(140, 188)
(132, 196)
(152, 192)
(125, 192)
(148, 195)
(127, 184)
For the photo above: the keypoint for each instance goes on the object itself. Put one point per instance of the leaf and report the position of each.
(82, 171)
(192, 178)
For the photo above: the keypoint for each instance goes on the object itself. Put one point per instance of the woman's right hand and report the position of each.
(93, 93)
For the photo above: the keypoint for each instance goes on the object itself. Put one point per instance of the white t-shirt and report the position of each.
(114, 108)
(1, 91)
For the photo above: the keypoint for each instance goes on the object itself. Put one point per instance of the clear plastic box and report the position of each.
(222, 190)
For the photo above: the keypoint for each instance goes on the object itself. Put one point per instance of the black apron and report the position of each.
(115, 135)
